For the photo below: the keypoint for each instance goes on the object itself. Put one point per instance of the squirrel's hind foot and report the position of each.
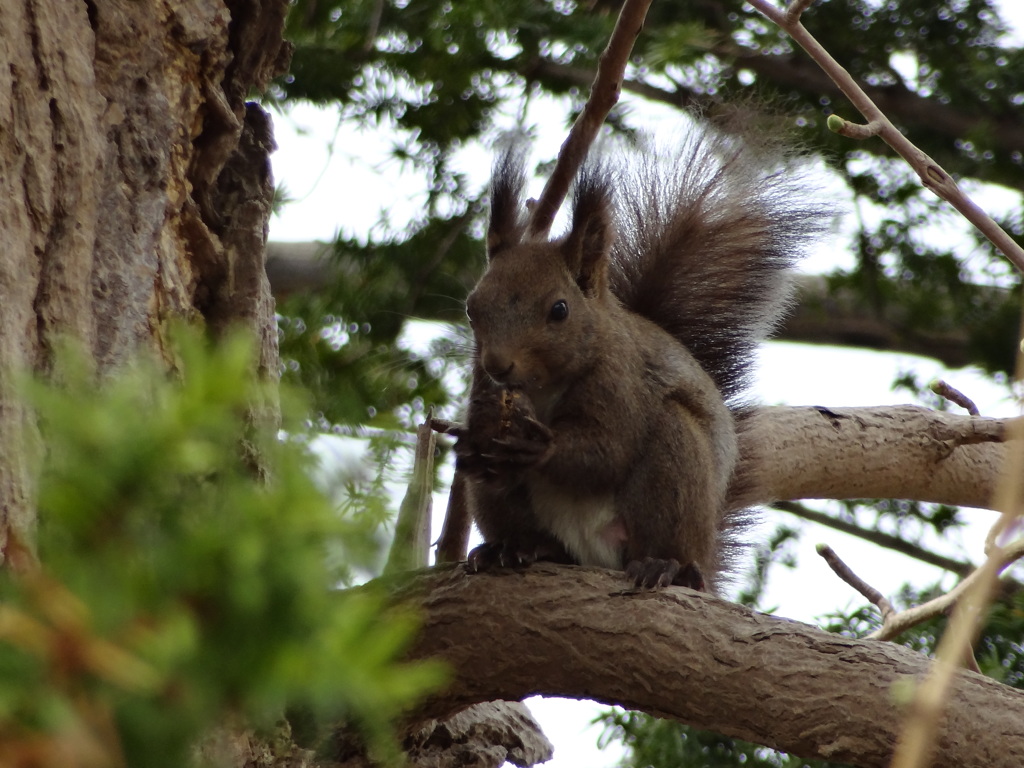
(652, 573)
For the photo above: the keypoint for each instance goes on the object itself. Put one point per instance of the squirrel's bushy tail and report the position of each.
(705, 237)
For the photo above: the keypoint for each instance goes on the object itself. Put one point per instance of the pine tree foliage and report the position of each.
(189, 575)
(437, 75)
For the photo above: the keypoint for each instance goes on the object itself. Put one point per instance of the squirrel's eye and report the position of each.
(559, 310)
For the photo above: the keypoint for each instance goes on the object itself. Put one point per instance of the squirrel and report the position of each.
(609, 363)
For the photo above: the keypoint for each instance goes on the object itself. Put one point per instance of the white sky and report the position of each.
(343, 181)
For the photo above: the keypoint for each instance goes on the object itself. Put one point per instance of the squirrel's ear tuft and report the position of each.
(508, 180)
(588, 243)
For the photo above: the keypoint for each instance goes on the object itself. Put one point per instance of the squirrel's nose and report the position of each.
(498, 367)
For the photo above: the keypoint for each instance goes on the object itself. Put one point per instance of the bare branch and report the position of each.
(844, 572)
(604, 94)
(894, 452)
(886, 540)
(796, 9)
(931, 173)
(954, 395)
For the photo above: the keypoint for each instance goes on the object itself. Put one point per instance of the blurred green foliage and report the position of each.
(183, 586)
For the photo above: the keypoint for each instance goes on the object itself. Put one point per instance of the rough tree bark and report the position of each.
(134, 187)
(896, 452)
(578, 632)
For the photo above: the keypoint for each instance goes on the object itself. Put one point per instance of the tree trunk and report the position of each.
(134, 189)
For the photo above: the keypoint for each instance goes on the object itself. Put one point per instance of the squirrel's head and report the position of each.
(538, 311)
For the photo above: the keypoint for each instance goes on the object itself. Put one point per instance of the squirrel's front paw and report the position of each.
(653, 573)
(503, 437)
(521, 452)
(514, 453)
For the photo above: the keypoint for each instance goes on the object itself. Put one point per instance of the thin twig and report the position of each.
(911, 617)
(453, 542)
(955, 396)
(796, 9)
(604, 94)
(932, 175)
(844, 572)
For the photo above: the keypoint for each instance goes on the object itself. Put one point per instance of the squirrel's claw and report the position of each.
(539, 430)
(529, 450)
(652, 573)
(499, 554)
(516, 552)
(446, 427)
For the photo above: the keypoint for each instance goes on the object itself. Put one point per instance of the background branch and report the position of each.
(932, 175)
(886, 540)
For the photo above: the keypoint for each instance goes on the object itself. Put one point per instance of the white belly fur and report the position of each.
(585, 525)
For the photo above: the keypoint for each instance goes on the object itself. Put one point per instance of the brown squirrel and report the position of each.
(598, 431)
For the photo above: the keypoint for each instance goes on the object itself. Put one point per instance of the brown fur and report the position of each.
(624, 339)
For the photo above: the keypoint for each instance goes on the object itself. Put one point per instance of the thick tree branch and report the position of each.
(577, 632)
(894, 452)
